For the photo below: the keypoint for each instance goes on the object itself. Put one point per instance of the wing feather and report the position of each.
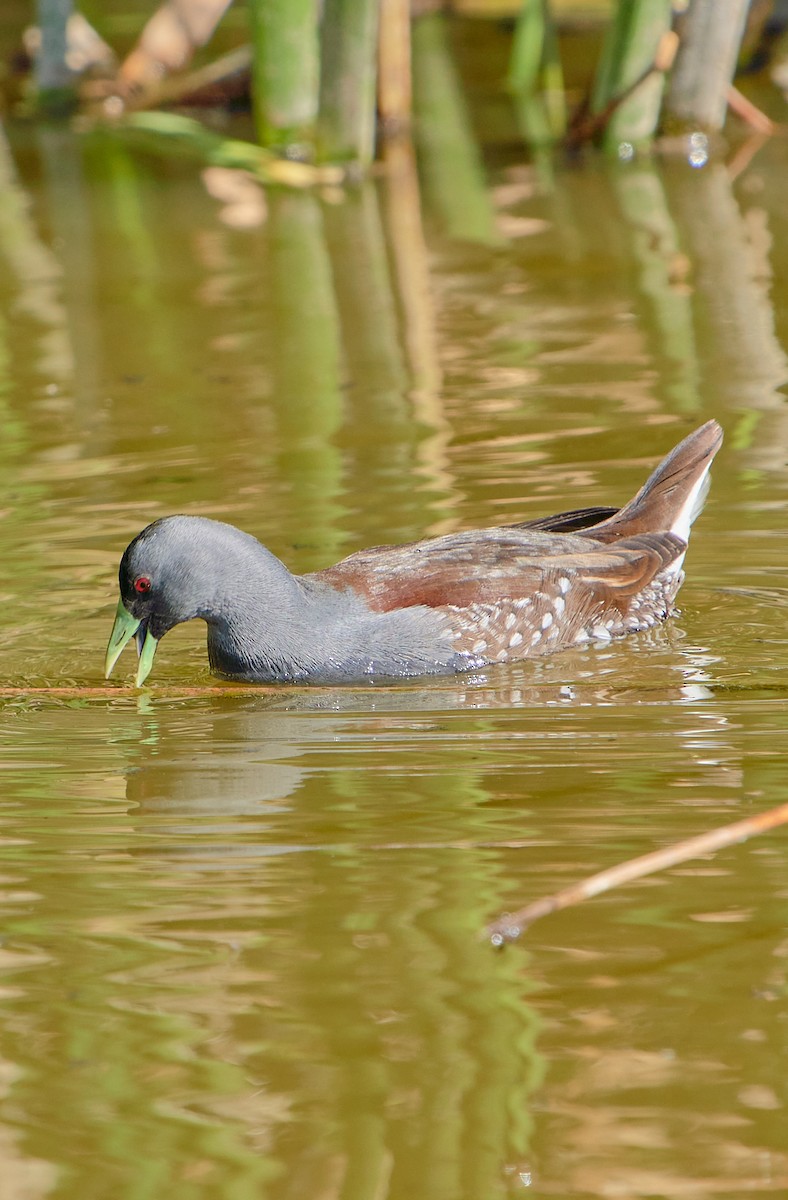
(461, 571)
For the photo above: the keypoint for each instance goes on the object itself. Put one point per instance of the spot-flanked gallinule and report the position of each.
(446, 604)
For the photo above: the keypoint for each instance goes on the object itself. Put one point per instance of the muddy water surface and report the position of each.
(240, 952)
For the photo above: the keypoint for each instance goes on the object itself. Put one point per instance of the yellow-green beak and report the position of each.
(123, 631)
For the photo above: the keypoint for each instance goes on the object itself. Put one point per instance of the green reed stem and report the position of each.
(348, 48)
(536, 77)
(285, 70)
(629, 53)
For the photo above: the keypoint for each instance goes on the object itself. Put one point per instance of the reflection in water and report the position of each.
(305, 335)
(663, 285)
(239, 949)
(333, 1011)
(263, 962)
(34, 270)
(732, 314)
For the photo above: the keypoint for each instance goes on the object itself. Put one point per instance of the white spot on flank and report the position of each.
(559, 604)
(510, 620)
(601, 632)
(563, 584)
(547, 620)
(479, 646)
(535, 637)
(515, 639)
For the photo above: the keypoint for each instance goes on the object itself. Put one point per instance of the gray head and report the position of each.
(183, 567)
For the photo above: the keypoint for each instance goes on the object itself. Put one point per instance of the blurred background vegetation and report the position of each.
(333, 82)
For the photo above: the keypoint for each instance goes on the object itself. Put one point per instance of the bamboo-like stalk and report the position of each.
(348, 76)
(705, 64)
(553, 88)
(630, 51)
(535, 74)
(527, 47)
(395, 84)
(54, 79)
(285, 71)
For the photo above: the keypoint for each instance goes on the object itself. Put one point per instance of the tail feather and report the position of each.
(674, 493)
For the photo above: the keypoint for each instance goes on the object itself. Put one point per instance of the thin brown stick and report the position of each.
(231, 69)
(114, 691)
(176, 692)
(748, 112)
(509, 927)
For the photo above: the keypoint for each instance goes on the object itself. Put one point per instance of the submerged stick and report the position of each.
(509, 927)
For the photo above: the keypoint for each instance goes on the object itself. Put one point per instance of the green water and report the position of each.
(240, 948)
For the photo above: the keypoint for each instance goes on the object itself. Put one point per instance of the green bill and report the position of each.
(146, 658)
(122, 632)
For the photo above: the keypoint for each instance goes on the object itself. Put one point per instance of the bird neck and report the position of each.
(260, 623)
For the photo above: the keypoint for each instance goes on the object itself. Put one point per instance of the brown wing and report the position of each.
(570, 600)
(500, 564)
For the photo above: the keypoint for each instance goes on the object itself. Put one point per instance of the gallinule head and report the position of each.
(442, 605)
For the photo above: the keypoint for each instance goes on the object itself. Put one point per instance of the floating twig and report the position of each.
(509, 927)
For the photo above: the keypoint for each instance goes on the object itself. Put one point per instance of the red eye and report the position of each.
(142, 584)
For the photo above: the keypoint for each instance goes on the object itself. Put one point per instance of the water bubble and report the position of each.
(626, 151)
(520, 1174)
(698, 153)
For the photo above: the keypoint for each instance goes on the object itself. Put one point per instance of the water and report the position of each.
(241, 950)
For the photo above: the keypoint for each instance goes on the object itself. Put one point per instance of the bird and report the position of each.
(454, 603)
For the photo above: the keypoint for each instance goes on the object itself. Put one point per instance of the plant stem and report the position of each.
(706, 62)
(348, 48)
(629, 51)
(54, 79)
(536, 76)
(285, 70)
(395, 84)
